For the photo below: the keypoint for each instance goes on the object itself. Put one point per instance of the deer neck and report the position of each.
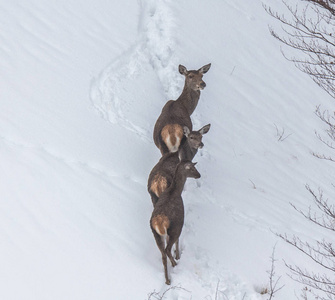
(187, 152)
(189, 98)
(178, 183)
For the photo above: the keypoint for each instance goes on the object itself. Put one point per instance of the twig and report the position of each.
(280, 135)
(253, 185)
(273, 282)
(159, 296)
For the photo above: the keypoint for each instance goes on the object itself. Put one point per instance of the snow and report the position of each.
(82, 85)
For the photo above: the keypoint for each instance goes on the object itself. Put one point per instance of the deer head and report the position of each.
(193, 78)
(188, 168)
(194, 138)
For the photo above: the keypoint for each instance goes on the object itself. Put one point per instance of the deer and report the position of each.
(168, 129)
(167, 218)
(162, 173)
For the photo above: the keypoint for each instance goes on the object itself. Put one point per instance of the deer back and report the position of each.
(168, 130)
(161, 175)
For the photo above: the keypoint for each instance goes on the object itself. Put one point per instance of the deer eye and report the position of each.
(191, 76)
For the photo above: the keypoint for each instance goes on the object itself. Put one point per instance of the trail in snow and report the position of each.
(81, 217)
(113, 92)
(152, 58)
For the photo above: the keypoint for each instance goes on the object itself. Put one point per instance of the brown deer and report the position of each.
(167, 218)
(168, 130)
(162, 173)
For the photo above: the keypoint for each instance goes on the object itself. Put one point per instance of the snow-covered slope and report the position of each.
(81, 87)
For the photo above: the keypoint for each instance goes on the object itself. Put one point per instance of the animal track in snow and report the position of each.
(120, 92)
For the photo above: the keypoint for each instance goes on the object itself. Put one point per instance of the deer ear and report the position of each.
(186, 131)
(183, 70)
(205, 129)
(204, 69)
(189, 165)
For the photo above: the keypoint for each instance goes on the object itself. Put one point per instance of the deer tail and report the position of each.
(160, 224)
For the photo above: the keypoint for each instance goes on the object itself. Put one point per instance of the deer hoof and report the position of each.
(168, 282)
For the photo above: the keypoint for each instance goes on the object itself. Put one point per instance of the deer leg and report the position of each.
(168, 251)
(177, 249)
(160, 241)
(164, 259)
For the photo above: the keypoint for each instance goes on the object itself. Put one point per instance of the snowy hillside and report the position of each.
(82, 85)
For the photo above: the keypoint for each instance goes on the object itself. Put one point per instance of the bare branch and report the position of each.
(273, 281)
(310, 30)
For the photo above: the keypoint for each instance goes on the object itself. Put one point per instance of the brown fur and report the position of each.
(161, 224)
(158, 184)
(172, 134)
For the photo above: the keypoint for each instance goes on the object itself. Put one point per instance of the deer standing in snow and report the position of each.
(168, 130)
(167, 218)
(162, 173)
